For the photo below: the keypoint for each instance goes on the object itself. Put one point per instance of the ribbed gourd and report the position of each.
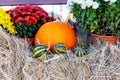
(40, 51)
(59, 48)
(79, 51)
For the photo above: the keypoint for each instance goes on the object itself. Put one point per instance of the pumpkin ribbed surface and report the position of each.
(52, 33)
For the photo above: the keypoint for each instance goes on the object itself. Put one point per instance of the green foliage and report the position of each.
(105, 20)
(27, 30)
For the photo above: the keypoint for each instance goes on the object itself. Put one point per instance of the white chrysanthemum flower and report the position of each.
(113, 1)
(81, 1)
(106, 0)
(89, 3)
(95, 5)
(77, 1)
(69, 4)
(73, 1)
(83, 5)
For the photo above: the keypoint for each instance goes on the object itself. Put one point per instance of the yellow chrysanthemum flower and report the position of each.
(6, 23)
(11, 30)
(1, 10)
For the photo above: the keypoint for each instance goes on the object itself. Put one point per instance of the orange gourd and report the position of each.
(52, 33)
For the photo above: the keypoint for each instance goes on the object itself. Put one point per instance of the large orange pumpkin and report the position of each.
(52, 33)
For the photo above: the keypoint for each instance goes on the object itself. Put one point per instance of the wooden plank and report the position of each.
(37, 2)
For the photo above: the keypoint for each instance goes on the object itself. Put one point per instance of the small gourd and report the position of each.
(40, 51)
(59, 48)
(79, 51)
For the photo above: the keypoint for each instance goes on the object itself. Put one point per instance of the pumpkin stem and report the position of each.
(48, 46)
(38, 41)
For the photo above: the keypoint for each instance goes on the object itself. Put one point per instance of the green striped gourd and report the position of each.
(40, 51)
(59, 48)
(79, 51)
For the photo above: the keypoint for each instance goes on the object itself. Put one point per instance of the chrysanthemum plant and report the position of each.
(5, 22)
(27, 19)
(98, 16)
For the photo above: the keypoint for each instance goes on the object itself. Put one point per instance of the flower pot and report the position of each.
(105, 39)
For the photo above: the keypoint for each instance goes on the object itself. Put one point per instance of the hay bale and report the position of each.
(17, 63)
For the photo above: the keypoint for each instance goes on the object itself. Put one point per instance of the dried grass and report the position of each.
(17, 63)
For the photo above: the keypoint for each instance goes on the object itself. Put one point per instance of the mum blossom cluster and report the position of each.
(5, 22)
(27, 19)
(88, 3)
(111, 1)
(28, 14)
(84, 3)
